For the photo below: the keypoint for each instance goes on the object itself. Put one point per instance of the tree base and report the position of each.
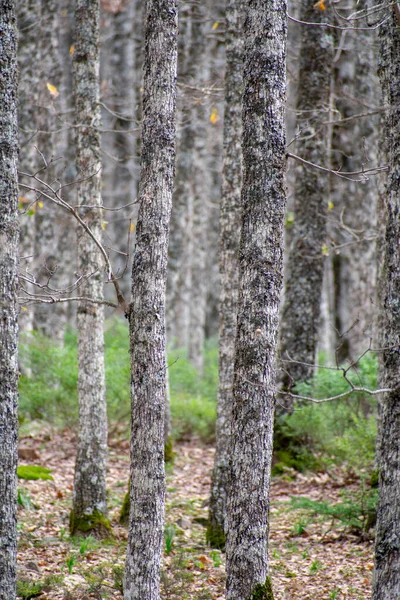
(96, 524)
(124, 514)
(263, 591)
(215, 536)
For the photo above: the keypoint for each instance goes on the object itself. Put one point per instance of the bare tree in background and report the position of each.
(305, 267)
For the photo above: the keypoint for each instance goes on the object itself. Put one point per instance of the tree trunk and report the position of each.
(355, 144)
(229, 266)
(49, 320)
(260, 281)
(9, 235)
(147, 326)
(305, 268)
(28, 13)
(386, 583)
(89, 503)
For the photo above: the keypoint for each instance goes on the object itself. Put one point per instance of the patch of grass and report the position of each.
(24, 499)
(315, 567)
(356, 511)
(27, 588)
(169, 535)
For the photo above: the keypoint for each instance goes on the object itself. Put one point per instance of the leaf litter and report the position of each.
(309, 557)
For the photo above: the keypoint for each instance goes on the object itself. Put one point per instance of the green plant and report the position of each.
(169, 534)
(216, 558)
(27, 588)
(355, 511)
(118, 577)
(24, 499)
(343, 430)
(70, 562)
(315, 566)
(333, 594)
(299, 527)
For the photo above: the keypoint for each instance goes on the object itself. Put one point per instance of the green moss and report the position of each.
(96, 524)
(263, 591)
(33, 472)
(124, 514)
(215, 536)
(27, 589)
(169, 454)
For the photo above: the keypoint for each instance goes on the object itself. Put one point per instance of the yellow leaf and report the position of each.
(53, 90)
(104, 225)
(325, 250)
(40, 204)
(132, 227)
(320, 5)
(215, 26)
(330, 205)
(72, 49)
(24, 308)
(214, 116)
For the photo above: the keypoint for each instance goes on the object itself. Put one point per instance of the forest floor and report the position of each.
(310, 558)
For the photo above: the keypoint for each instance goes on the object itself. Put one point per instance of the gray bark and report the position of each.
(9, 235)
(228, 265)
(147, 325)
(386, 581)
(179, 284)
(49, 320)
(28, 13)
(304, 276)
(355, 145)
(260, 282)
(89, 502)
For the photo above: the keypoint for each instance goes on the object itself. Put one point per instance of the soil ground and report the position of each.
(310, 558)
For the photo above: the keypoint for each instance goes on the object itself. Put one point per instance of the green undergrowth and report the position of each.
(314, 436)
(357, 511)
(48, 384)
(29, 588)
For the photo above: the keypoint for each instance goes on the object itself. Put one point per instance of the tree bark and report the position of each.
(355, 145)
(89, 503)
(305, 267)
(9, 237)
(228, 265)
(260, 281)
(28, 14)
(386, 581)
(147, 326)
(49, 320)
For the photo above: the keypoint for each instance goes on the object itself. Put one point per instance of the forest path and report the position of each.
(309, 559)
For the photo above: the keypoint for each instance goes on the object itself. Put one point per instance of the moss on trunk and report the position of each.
(263, 591)
(96, 524)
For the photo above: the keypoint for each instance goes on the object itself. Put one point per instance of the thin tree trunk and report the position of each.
(89, 503)
(28, 13)
(386, 582)
(180, 250)
(147, 325)
(305, 268)
(9, 236)
(49, 320)
(228, 265)
(260, 282)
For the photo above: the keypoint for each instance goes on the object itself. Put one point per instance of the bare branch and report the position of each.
(342, 174)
